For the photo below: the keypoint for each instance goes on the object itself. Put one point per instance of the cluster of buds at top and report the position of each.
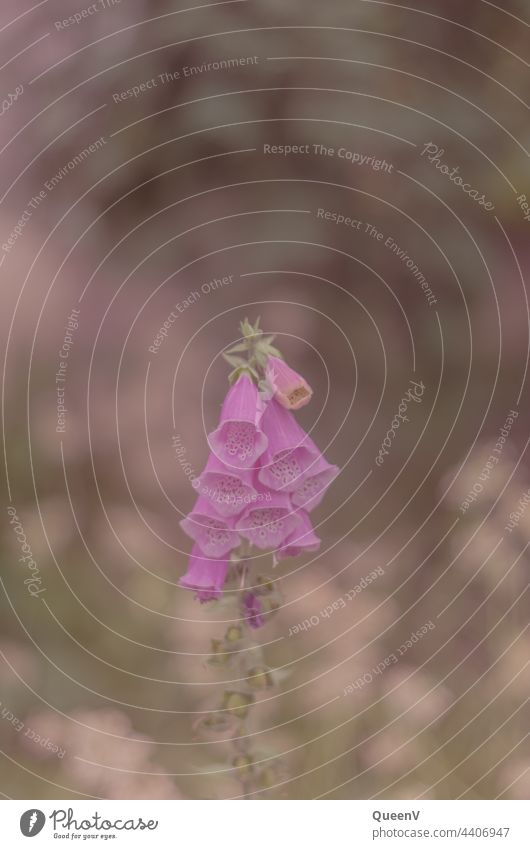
(282, 382)
(263, 477)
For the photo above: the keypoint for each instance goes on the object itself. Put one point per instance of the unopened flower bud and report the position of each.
(219, 655)
(265, 584)
(234, 633)
(216, 727)
(269, 604)
(290, 388)
(252, 610)
(260, 678)
(243, 763)
(237, 704)
(267, 778)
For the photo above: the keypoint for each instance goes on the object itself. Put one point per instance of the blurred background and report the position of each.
(147, 153)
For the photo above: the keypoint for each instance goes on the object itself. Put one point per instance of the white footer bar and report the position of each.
(267, 824)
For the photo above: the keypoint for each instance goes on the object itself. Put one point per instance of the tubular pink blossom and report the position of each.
(291, 390)
(228, 490)
(302, 540)
(269, 524)
(239, 440)
(311, 489)
(290, 450)
(214, 535)
(205, 575)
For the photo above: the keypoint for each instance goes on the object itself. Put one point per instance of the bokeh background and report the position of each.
(104, 672)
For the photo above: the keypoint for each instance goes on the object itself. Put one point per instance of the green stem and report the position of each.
(238, 652)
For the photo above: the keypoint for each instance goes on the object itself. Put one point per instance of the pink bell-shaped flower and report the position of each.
(267, 524)
(312, 487)
(302, 540)
(290, 389)
(229, 490)
(290, 450)
(239, 440)
(215, 535)
(205, 575)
